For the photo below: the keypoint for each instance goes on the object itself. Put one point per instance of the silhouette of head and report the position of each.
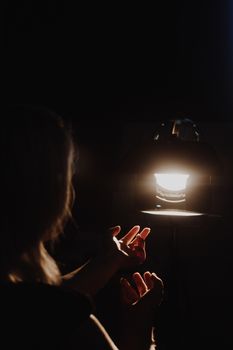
(35, 190)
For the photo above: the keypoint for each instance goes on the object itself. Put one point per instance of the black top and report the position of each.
(39, 316)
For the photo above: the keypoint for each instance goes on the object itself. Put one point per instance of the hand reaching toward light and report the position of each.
(139, 310)
(130, 248)
(148, 289)
(115, 254)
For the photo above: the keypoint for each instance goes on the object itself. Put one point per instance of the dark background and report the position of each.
(133, 62)
(115, 71)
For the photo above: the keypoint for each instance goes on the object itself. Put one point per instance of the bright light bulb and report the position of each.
(172, 181)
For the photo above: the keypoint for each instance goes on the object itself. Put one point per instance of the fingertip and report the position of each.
(145, 232)
(136, 274)
(123, 282)
(115, 227)
(156, 277)
(147, 273)
(115, 230)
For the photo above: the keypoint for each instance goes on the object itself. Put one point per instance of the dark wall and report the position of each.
(94, 61)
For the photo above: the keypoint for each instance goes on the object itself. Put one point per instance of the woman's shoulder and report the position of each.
(47, 299)
(38, 314)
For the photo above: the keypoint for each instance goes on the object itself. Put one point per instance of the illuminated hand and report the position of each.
(148, 288)
(131, 247)
(138, 317)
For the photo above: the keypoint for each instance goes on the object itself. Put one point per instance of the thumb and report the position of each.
(115, 230)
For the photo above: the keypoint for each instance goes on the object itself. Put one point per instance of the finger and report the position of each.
(156, 280)
(138, 242)
(130, 235)
(148, 279)
(144, 233)
(158, 288)
(115, 230)
(140, 284)
(137, 249)
(129, 294)
(153, 297)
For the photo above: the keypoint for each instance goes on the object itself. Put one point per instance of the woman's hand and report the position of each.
(148, 289)
(114, 255)
(130, 249)
(139, 310)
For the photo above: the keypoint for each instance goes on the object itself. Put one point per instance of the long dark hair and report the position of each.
(35, 191)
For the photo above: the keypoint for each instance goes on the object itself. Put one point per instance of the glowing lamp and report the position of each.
(171, 187)
(181, 166)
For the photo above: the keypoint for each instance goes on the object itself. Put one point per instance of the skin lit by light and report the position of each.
(172, 181)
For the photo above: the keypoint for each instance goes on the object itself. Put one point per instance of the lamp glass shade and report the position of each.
(172, 181)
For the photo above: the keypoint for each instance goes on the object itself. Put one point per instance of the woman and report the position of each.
(40, 307)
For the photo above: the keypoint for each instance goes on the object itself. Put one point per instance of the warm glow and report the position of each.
(170, 212)
(172, 181)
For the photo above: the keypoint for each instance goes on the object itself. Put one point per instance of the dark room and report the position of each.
(117, 175)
